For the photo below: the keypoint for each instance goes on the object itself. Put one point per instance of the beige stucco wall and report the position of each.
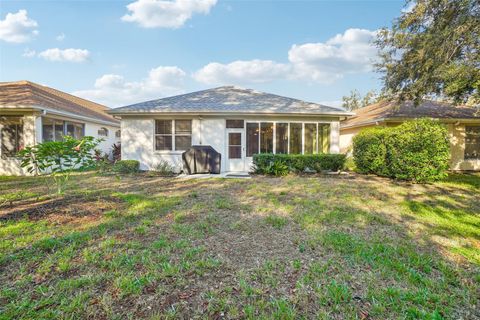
(138, 137)
(346, 139)
(457, 145)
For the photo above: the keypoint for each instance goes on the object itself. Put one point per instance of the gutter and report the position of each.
(143, 113)
(375, 121)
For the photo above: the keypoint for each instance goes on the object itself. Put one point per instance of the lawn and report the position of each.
(324, 247)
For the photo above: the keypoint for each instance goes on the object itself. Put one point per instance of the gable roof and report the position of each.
(26, 93)
(394, 111)
(229, 99)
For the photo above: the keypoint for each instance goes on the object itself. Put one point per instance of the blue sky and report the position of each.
(121, 52)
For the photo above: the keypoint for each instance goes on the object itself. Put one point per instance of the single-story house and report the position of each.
(463, 124)
(31, 113)
(236, 122)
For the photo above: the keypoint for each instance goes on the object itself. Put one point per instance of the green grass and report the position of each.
(138, 247)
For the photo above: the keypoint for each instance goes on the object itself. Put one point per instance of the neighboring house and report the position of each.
(236, 122)
(31, 113)
(463, 123)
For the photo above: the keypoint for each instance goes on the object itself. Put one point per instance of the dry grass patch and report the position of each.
(316, 247)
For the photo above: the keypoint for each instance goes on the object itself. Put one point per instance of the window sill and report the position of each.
(168, 152)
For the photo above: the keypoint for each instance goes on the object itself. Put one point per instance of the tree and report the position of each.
(355, 100)
(433, 51)
(59, 158)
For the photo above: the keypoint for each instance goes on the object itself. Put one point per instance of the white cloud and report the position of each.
(60, 37)
(114, 91)
(165, 14)
(67, 55)
(350, 52)
(27, 53)
(17, 27)
(242, 72)
(323, 62)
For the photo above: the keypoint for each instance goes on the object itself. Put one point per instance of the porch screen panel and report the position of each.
(266, 137)
(324, 137)
(310, 138)
(281, 138)
(11, 135)
(59, 130)
(47, 130)
(295, 138)
(252, 138)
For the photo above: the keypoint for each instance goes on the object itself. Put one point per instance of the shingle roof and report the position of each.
(27, 93)
(405, 110)
(228, 99)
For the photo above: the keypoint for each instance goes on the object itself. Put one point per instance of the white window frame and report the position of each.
(64, 125)
(173, 134)
(288, 122)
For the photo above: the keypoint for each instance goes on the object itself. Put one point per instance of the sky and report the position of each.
(123, 52)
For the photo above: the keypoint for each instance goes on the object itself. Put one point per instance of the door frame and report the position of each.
(243, 150)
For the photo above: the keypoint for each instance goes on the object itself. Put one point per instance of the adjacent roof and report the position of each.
(26, 93)
(390, 111)
(229, 99)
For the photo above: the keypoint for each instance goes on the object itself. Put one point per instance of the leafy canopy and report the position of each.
(433, 50)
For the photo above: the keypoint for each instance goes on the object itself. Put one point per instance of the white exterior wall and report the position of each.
(138, 137)
(91, 129)
(32, 134)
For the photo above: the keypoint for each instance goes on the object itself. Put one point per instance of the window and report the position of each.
(74, 130)
(281, 138)
(11, 134)
(102, 132)
(472, 142)
(310, 138)
(252, 138)
(324, 138)
(54, 130)
(266, 137)
(173, 135)
(235, 124)
(234, 145)
(183, 134)
(118, 134)
(295, 138)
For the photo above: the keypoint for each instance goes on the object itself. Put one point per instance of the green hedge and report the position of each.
(126, 166)
(282, 164)
(417, 150)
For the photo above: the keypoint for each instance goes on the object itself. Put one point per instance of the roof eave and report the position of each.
(129, 113)
(402, 119)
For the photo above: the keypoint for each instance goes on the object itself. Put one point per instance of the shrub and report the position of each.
(60, 158)
(282, 164)
(164, 168)
(127, 166)
(370, 150)
(419, 151)
(416, 150)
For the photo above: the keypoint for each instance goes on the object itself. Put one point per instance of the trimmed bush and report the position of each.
(127, 166)
(370, 151)
(282, 164)
(417, 150)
